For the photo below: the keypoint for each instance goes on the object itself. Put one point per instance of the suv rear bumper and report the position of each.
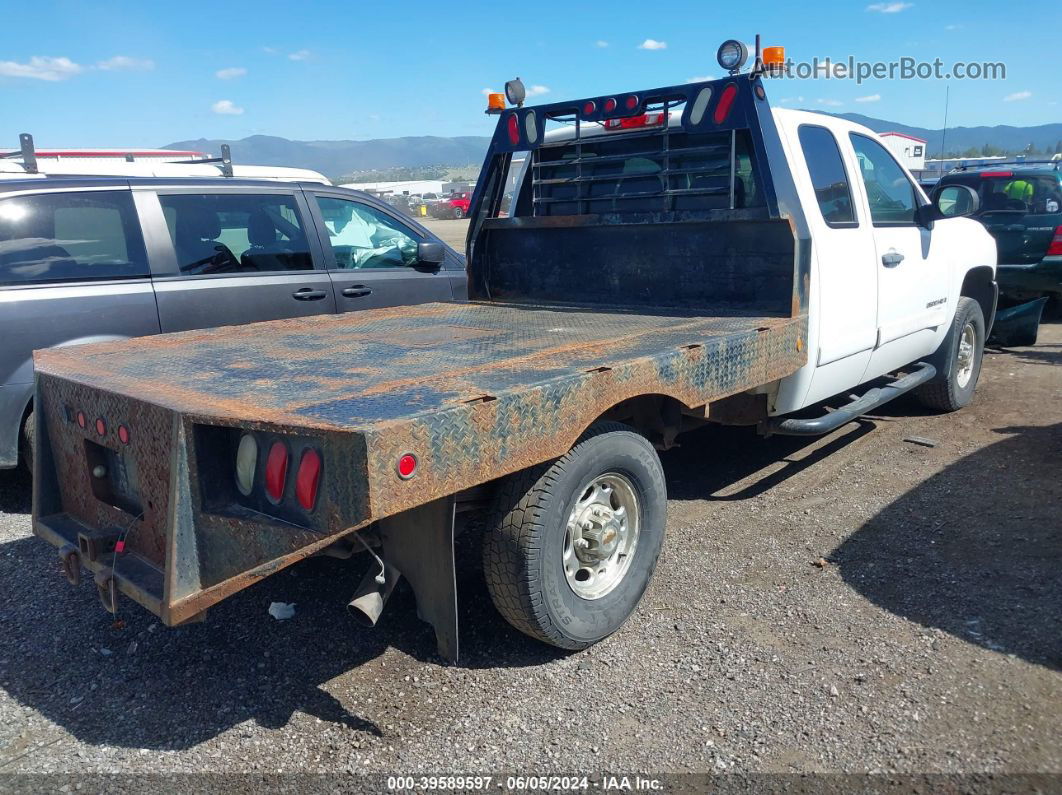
(13, 401)
(1038, 277)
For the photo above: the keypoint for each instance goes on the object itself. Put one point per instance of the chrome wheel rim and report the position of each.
(965, 364)
(601, 535)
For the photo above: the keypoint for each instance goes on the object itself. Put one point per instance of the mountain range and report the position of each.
(334, 158)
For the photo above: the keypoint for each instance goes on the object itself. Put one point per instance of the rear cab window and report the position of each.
(828, 176)
(627, 171)
(70, 236)
(236, 233)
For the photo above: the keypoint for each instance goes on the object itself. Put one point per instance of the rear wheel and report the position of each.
(958, 361)
(458, 213)
(572, 545)
(26, 442)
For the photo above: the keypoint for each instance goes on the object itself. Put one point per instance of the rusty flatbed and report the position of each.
(475, 391)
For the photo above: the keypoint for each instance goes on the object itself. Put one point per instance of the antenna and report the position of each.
(944, 132)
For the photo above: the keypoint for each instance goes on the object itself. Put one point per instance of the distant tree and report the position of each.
(973, 151)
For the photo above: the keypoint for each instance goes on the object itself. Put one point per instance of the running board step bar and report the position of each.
(791, 426)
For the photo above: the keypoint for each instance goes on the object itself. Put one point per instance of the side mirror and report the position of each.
(430, 253)
(955, 201)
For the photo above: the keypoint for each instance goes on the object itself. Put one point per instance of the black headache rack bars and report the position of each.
(1055, 163)
(716, 120)
(28, 154)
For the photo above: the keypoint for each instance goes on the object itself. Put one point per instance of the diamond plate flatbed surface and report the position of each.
(358, 370)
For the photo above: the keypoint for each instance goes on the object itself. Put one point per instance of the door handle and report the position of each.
(356, 291)
(891, 258)
(308, 294)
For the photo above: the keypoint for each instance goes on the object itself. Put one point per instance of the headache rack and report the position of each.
(672, 169)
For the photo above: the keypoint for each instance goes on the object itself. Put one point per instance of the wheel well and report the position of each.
(660, 418)
(979, 285)
(22, 428)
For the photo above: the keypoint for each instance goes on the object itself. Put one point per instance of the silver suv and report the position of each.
(88, 259)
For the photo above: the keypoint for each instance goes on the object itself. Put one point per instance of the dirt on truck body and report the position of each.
(648, 306)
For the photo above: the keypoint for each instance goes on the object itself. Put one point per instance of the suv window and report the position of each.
(363, 237)
(236, 233)
(70, 236)
(1018, 192)
(828, 176)
(889, 192)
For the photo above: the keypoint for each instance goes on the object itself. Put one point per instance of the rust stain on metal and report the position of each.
(475, 391)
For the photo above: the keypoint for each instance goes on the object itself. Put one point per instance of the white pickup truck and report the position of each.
(661, 259)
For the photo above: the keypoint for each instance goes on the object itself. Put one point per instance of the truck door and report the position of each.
(844, 256)
(371, 256)
(912, 273)
(229, 257)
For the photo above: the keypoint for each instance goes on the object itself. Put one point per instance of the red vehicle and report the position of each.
(454, 206)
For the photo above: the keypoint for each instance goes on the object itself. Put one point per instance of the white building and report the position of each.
(909, 150)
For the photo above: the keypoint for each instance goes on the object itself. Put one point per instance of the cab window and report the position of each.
(70, 236)
(828, 176)
(890, 194)
(236, 233)
(362, 237)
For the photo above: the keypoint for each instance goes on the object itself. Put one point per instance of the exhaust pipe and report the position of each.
(371, 596)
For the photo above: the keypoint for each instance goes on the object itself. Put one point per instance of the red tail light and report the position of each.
(631, 102)
(633, 122)
(1055, 249)
(276, 471)
(81, 421)
(123, 434)
(589, 108)
(101, 427)
(513, 125)
(407, 466)
(610, 105)
(722, 109)
(307, 478)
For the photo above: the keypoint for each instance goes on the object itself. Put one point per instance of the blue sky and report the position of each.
(145, 74)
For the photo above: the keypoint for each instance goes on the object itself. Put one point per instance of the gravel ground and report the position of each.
(448, 230)
(858, 603)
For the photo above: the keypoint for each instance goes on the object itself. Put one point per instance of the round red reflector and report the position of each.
(632, 102)
(589, 108)
(81, 419)
(407, 466)
(610, 105)
(307, 478)
(123, 434)
(101, 427)
(514, 129)
(276, 471)
(722, 109)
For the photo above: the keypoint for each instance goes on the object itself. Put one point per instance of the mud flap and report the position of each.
(420, 544)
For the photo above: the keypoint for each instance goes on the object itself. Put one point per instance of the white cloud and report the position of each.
(832, 103)
(488, 91)
(230, 73)
(652, 44)
(601, 43)
(700, 78)
(1017, 95)
(869, 98)
(226, 107)
(537, 91)
(299, 55)
(41, 67)
(889, 8)
(123, 63)
(269, 50)
(954, 27)
(790, 100)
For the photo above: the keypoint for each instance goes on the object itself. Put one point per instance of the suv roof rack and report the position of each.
(968, 166)
(28, 153)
